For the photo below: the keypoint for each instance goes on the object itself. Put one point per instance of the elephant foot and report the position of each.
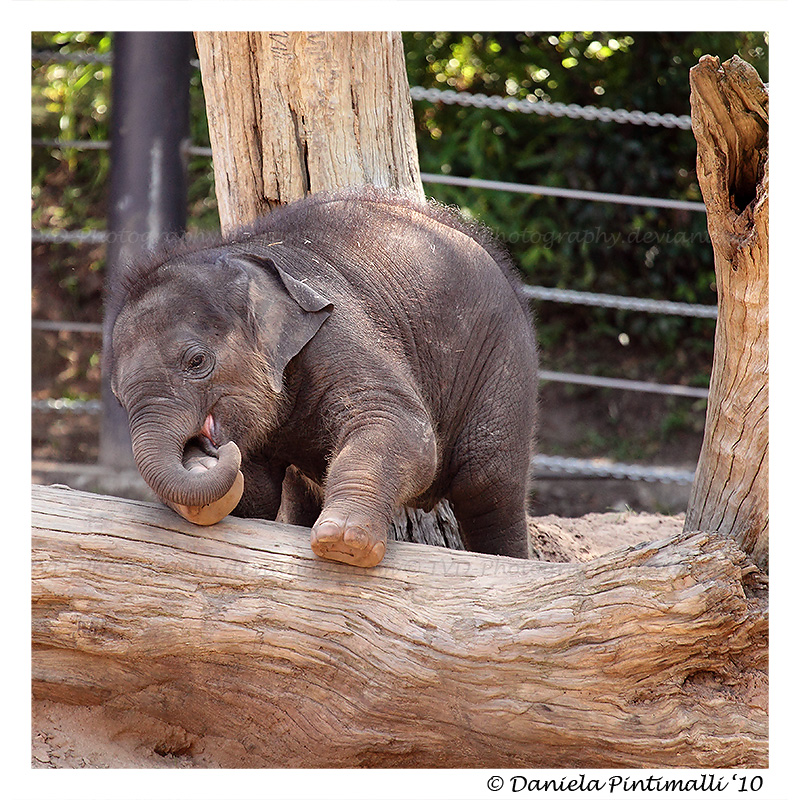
(347, 538)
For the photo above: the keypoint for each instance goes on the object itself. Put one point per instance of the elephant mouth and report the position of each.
(208, 439)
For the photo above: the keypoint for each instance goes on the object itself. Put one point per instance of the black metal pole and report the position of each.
(149, 134)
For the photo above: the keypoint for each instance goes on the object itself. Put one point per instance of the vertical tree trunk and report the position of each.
(730, 107)
(291, 113)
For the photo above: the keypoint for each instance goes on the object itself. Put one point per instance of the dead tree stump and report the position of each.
(730, 113)
(291, 113)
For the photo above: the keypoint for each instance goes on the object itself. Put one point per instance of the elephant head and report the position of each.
(199, 349)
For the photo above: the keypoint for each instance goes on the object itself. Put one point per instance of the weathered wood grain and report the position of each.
(730, 120)
(236, 642)
(292, 112)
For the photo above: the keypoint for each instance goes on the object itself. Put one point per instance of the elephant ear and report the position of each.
(285, 312)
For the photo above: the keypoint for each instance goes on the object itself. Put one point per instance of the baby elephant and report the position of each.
(347, 355)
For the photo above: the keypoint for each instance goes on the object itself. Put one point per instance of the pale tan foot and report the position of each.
(347, 538)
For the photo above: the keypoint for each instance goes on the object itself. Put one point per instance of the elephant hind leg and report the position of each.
(497, 530)
(489, 501)
(262, 489)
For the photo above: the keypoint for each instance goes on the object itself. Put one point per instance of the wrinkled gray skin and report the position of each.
(361, 351)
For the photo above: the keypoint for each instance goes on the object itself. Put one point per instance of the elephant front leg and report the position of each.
(373, 475)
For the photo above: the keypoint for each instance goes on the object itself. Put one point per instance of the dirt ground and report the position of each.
(75, 736)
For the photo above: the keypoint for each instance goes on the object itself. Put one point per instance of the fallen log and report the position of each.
(236, 643)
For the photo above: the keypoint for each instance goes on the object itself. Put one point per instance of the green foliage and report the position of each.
(70, 101)
(203, 212)
(587, 246)
(579, 245)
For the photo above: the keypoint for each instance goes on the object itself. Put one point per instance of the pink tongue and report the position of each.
(209, 430)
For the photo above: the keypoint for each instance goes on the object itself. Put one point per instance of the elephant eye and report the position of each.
(198, 363)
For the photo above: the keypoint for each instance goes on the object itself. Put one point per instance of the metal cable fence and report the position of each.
(544, 108)
(544, 466)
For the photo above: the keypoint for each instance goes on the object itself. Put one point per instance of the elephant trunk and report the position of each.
(158, 450)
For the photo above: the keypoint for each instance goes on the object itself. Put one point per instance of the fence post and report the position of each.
(149, 135)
